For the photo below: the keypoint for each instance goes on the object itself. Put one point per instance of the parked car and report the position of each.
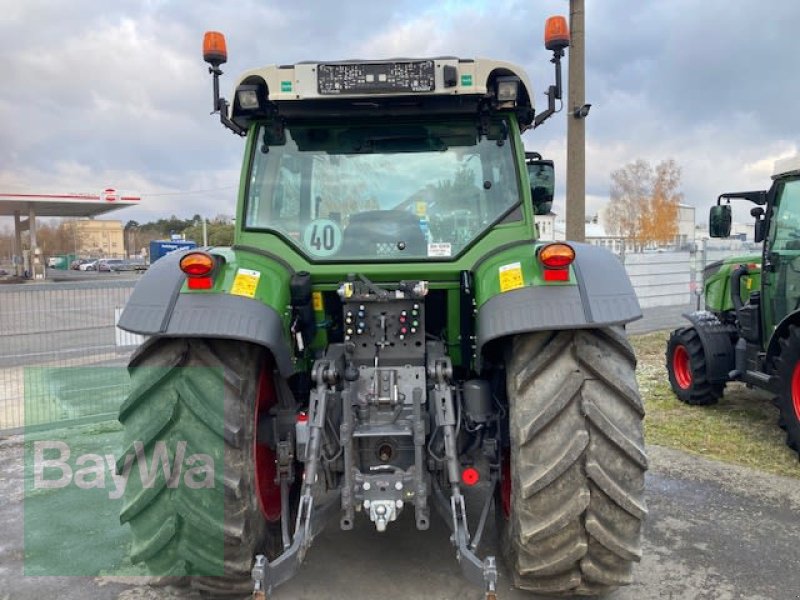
(109, 264)
(134, 264)
(75, 264)
(90, 265)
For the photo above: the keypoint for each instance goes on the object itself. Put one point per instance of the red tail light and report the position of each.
(556, 256)
(197, 264)
(198, 267)
(470, 476)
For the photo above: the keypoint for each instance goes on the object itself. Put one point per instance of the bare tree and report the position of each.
(630, 194)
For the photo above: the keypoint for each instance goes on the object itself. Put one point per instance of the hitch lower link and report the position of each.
(480, 572)
(267, 575)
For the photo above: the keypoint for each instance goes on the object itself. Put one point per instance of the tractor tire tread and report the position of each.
(702, 392)
(577, 462)
(172, 534)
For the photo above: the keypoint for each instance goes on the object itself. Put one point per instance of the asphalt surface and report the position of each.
(714, 532)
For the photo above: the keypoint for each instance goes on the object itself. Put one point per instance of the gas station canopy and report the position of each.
(25, 208)
(65, 205)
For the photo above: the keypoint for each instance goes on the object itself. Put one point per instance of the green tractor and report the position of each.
(750, 330)
(391, 337)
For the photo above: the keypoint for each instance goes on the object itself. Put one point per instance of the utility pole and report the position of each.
(576, 129)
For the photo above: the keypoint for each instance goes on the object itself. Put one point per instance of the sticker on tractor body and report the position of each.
(316, 300)
(245, 283)
(440, 249)
(511, 277)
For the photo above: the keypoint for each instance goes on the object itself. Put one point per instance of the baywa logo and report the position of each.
(54, 469)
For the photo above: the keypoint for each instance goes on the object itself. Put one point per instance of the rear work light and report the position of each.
(198, 267)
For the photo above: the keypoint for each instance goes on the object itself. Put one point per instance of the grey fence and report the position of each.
(662, 279)
(675, 278)
(61, 356)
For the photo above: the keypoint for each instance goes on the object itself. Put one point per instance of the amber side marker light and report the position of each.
(198, 267)
(556, 259)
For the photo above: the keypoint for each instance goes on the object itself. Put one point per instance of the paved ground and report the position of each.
(661, 317)
(715, 532)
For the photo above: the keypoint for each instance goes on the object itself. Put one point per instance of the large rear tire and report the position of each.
(173, 534)
(575, 504)
(788, 369)
(687, 366)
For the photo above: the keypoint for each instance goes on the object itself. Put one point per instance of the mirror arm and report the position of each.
(221, 105)
(756, 197)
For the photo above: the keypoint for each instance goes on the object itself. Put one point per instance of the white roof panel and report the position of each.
(786, 166)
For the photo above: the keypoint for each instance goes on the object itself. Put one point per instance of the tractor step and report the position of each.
(760, 379)
(755, 378)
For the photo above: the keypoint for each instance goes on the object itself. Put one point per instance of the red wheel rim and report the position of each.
(505, 484)
(267, 490)
(681, 368)
(796, 391)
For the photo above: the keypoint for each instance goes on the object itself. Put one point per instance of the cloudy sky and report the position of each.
(99, 94)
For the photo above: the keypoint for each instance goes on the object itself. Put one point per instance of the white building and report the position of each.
(596, 235)
(545, 225)
(683, 239)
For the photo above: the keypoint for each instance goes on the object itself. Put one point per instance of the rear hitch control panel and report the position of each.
(389, 324)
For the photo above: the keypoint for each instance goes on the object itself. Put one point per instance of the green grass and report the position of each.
(742, 428)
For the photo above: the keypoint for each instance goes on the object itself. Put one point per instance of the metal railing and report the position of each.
(62, 358)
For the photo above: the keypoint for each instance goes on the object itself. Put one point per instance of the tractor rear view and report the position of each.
(750, 330)
(390, 336)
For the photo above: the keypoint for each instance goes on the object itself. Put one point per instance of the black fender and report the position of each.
(602, 297)
(718, 346)
(157, 308)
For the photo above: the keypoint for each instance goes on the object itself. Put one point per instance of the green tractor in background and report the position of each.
(750, 329)
(392, 337)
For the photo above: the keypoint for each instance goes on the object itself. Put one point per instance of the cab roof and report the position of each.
(786, 166)
(387, 86)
